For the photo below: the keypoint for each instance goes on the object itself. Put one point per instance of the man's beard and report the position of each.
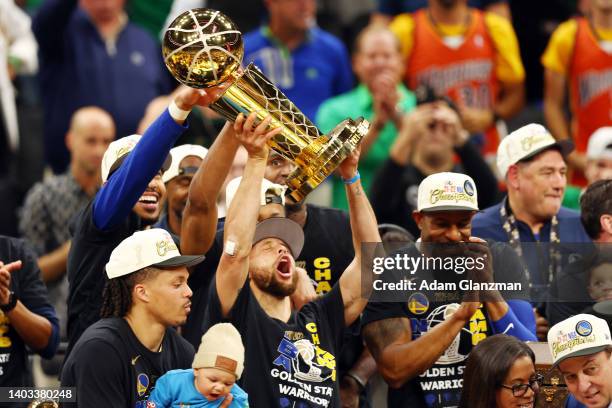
(273, 287)
(292, 207)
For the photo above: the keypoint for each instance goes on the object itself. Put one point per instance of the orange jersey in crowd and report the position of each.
(577, 52)
(486, 52)
(574, 50)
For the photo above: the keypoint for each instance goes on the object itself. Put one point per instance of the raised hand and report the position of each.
(227, 401)
(348, 168)
(5, 280)
(254, 137)
(186, 98)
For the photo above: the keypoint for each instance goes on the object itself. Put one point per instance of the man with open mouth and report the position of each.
(291, 357)
(131, 199)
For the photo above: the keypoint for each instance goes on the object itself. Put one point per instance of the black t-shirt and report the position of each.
(328, 250)
(287, 364)
(328, 246)
(89, 253)
(440, 386)
(111, 368)
(31, 291)
(200, 280)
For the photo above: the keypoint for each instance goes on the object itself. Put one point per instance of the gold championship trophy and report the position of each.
(203, 48)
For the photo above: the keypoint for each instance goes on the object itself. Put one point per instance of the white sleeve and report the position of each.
(16, 25)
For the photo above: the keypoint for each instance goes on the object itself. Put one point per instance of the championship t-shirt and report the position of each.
(287, 364)
(441, 384)
(89, 253)
(328, 246)
(110, 367)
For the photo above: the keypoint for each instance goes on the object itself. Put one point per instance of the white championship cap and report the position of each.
(526, 142)
(116, 153)
(447, 192)
(178, 153)
(579, 335)
(600, 144)
(270, 192)
(152, 247)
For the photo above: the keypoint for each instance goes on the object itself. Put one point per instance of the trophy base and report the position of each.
(321, 158)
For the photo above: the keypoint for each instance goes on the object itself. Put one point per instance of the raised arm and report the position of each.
(50, 24)
(365, 230)
(399, 358)
(118, 195)
(242, 215)
(200, 216)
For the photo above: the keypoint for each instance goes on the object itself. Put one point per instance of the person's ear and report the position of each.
(512, 177)
(69, 140)
(605, 221)
(140, 292)
(418, 218)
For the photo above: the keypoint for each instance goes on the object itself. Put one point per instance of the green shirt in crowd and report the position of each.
(571, 197)
(353, 104)
(149, 14)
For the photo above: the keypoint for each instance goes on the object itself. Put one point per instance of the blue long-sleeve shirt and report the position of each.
(79, 68)
(309, 74)
(108, 220)
(125, 186)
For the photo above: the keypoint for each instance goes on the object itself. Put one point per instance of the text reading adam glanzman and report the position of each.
(412, 264)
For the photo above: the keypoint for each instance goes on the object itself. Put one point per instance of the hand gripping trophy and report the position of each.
(203, 48)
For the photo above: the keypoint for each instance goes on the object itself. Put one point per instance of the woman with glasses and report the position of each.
(500, 373)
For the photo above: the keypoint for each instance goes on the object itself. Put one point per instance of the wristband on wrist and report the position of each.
(12, 302)
(353, 179)
(176, 112)
(358, 380)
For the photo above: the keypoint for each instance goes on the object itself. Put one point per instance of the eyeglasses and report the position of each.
(518, 390)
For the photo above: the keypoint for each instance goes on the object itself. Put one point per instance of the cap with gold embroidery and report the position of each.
(221, 347)
(447, 192)
(152, 247)
(118, 151)
(526, 142)
(579, 335)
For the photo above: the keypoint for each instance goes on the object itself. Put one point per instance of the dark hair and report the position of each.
(425, 94)
(595, 202)
(487, 367)
(117, 293)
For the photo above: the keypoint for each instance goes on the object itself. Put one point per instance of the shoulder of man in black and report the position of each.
(377, 310)
(98, 366)
(328, 217)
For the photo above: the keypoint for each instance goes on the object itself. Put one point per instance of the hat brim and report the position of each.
(182, 260)
(564, 146)
(448, 208)
(284, 229)
(581, 353)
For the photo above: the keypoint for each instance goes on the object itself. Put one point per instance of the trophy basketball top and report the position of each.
(202, 48)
